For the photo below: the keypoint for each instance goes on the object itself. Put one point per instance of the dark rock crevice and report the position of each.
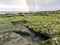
(45, 36)
(34, 34)
(22, 33)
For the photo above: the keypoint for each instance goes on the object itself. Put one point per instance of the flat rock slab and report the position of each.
(12, 38)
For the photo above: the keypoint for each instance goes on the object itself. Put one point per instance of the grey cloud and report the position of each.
(41, 4)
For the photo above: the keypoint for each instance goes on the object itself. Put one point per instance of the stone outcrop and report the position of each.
(28, 36)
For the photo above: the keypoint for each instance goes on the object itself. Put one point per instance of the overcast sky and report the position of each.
(29, 5)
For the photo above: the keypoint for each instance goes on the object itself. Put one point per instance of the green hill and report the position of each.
(44, 22)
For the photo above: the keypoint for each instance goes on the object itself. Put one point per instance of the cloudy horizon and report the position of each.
(29, 5)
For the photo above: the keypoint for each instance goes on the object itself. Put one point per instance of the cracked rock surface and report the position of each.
(28, 36)
(15, 39)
